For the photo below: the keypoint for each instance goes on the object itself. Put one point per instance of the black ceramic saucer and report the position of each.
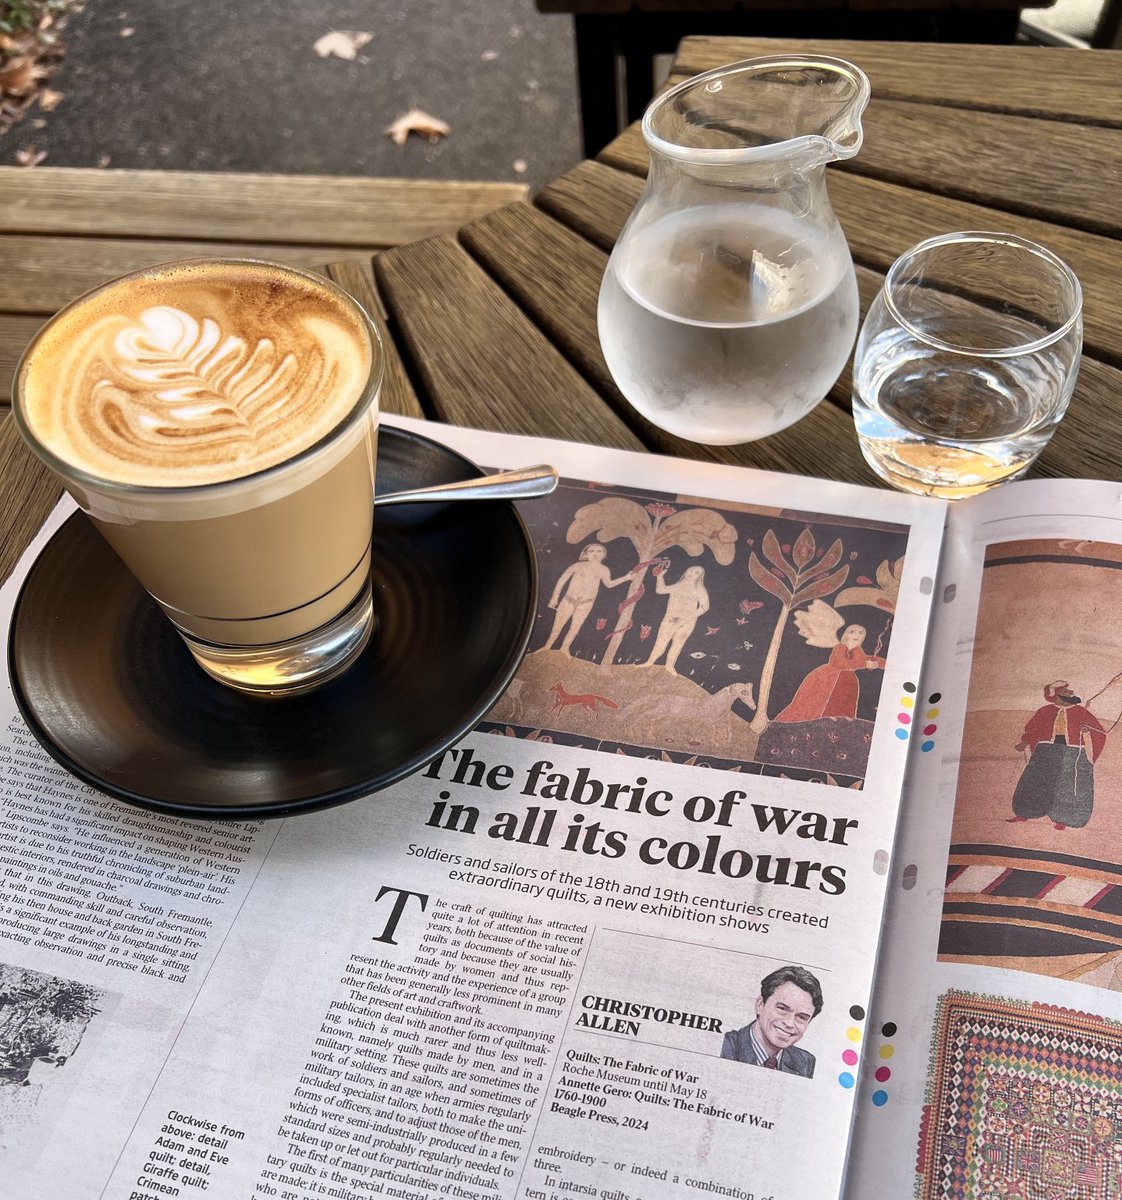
(109, 689)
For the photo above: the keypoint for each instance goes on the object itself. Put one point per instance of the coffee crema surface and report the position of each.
(195, 373)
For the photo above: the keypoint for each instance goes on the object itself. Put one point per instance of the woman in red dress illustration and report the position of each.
(831, 690)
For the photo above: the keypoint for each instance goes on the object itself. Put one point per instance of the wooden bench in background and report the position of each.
(64, 230)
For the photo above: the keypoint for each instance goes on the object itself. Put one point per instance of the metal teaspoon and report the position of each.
(522, 484)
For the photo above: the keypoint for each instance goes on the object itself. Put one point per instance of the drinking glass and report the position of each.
(264, 573)
(966, 362)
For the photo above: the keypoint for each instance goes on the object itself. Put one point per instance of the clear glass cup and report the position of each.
(264, 570)
(966, 362)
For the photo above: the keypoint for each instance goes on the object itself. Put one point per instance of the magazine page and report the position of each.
(606, 945)
(996, 1051)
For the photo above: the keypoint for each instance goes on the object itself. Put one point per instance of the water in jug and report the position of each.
(729, 306)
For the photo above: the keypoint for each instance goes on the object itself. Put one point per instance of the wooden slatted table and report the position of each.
(494, 325)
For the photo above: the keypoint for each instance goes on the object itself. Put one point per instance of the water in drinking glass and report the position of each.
(966, 362)
(724, 325)
(960, 424)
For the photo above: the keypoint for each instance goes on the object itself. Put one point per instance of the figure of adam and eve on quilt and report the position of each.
(700, 631)
(1034, 880)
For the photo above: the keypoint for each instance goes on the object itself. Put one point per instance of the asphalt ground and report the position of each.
(201, 85)
(207, 85)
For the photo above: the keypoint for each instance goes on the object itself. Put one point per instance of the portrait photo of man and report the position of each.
(790, 998)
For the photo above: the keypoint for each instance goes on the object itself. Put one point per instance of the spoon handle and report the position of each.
(522, 484)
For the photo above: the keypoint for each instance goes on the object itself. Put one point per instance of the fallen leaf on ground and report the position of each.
(418, 122)
(49, 99)
(342, 43)
(30, 157)
(128, 32)
(19, 76)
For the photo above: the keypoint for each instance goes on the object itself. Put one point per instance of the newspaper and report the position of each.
(537, 968)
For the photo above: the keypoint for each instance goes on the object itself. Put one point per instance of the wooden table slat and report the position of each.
(30, 492)
(1085, 444)
(15, 333)
(1051, 170)
(860, 205)
(42, 273)
(397, 394)
(594, 199)
(1059, 84)
(327, 210)
(482, 361)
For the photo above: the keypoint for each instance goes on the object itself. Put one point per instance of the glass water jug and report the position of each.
(729, 306)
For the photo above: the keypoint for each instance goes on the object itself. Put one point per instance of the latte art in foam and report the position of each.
(217, 419)
(177, 381)
(192, 376)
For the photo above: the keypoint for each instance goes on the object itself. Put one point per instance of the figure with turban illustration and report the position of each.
(1063, 740)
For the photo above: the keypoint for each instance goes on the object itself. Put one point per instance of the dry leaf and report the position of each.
(17, 44)
(128, 32)
(30, 157)
(19, 77)
(49, 99)
(418, 122)
(342, 43)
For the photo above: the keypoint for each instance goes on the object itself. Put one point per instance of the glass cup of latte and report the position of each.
(217, 420)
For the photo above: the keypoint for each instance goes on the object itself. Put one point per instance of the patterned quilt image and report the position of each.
(1024, 1100)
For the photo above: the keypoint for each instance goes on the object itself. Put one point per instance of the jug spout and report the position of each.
(799, 110)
